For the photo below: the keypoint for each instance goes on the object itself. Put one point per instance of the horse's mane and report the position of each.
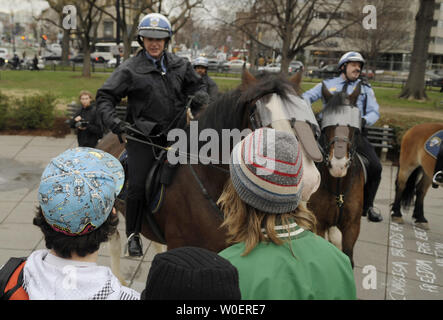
(337, 101)
(227, 111)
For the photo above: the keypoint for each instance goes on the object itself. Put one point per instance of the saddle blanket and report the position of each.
(432, 145)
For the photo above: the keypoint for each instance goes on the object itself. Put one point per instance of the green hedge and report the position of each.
(29, 112)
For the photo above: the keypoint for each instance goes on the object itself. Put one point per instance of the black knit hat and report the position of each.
(191, 273)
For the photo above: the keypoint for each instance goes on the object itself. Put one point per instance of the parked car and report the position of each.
(272, 68)
(367, 74)
(217, 65)
(434, 78)
(295, 66)
(327, 71)
(236, 65)
(80, 57)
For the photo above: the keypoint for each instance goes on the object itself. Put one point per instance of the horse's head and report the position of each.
(341, 123)
(274, 101)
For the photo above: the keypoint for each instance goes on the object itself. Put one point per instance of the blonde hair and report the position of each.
(85, 93)
(244, 223)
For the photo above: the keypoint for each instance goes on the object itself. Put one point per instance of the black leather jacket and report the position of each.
(93, 132)
(154, 97)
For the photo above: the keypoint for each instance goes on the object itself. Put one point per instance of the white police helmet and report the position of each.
(351, 56)
(156, 26)
(200, 61)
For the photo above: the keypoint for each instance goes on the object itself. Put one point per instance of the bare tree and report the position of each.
(291, 22)
(131, 10)
(415, 85)
(88, 19)
(57, 7)
(391, 32)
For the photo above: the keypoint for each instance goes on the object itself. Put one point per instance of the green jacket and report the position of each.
(270, 272)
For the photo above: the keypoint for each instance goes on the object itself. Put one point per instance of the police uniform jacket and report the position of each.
(155, 97)
(366, 102)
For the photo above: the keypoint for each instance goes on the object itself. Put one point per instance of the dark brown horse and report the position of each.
(338, 203)
(187, 216)
(414, 177)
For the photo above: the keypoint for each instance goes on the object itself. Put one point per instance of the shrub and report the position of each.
(32, 112)
(4, 106)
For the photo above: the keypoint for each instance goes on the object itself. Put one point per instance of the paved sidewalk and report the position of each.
(391, 261)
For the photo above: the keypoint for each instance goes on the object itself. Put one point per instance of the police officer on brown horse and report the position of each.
(157, 84)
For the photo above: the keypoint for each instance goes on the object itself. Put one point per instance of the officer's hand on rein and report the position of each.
(119, 126)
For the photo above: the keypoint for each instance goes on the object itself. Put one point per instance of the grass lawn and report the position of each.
(67, 84)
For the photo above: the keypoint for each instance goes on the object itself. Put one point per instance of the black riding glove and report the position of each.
(119, 126)
(201, 98)
(363, 123)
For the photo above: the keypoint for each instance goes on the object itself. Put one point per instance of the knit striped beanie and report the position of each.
(266, 170)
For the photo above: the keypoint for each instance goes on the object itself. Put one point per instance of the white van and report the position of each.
(105, 50)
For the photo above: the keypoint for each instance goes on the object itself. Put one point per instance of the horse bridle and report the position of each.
(327, 144)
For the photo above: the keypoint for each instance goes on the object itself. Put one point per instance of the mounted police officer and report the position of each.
(350, 66)
(157, 84)
(201, 67)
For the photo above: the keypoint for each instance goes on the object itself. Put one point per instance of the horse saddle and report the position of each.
(364, 164)
(432, 145)
(160, 175)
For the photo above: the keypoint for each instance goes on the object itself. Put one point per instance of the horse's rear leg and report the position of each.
(114, 251)
(422, 189)
(400, 185)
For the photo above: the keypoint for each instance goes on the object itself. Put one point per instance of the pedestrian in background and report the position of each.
(86, 122)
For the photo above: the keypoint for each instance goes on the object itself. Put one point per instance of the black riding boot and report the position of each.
(438, 170)
(134, 215)
(370, 191)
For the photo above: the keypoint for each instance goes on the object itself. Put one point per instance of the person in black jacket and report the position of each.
(86, 123)
(157, 84)
(201, 67)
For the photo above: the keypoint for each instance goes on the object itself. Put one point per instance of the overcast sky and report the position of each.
(34, 6)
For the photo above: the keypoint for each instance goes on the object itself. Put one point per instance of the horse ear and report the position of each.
(325, 92)
(296, 80)
(354, 95)
(247, 78)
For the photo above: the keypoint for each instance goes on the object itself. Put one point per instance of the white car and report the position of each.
(273, 68)
(236, 65)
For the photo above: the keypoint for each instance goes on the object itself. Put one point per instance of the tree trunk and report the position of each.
(415, 85)
(86, 60)
(65, 46)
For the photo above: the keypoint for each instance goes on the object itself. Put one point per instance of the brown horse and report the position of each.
(188, 216)
(338, 203)
(414, 177)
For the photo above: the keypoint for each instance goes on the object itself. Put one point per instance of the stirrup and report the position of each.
(434, 178)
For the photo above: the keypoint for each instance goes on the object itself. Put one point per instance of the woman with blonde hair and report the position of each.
(270, 229)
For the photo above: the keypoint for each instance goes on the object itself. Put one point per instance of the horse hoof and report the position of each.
(398, 220)
(422, 225)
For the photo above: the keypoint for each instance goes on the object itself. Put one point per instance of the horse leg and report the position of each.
(400, 185)
(421, 191)
(334, 236)
(115, 250)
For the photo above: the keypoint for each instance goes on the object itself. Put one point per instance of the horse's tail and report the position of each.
(408, 194)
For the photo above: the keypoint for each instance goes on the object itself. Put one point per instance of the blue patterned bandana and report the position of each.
(78, 189)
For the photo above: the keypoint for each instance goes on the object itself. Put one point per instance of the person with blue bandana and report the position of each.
(350, 66)
(157, 84)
